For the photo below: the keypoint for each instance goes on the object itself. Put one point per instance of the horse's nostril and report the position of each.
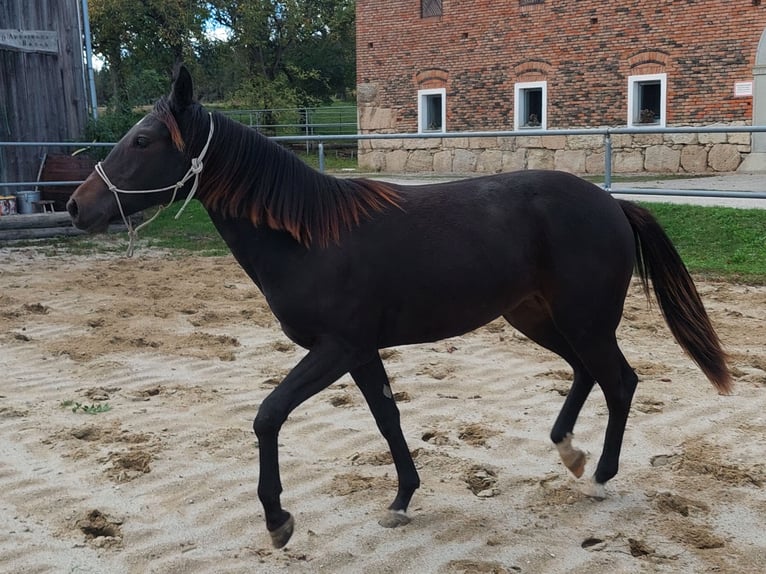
(71, 207)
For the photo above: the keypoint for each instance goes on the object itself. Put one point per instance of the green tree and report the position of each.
(307, 43)
(137, 36)
(275, 53)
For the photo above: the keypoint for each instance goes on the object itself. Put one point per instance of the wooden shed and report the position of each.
(42, 83)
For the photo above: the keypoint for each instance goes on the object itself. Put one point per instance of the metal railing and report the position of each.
(299, 121)
(605, 133)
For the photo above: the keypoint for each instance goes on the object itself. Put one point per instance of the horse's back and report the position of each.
(532, 213)
(463, 253)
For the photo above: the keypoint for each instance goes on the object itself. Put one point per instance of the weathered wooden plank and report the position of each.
(44, 220)
(35, 220)
(48, 232)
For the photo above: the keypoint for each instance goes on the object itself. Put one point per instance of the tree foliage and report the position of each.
(136, 37)
(272, 53)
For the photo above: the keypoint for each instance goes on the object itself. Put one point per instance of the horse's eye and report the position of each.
(142, 141)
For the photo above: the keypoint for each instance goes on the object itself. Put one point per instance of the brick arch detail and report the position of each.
(431, 78)
(532, 70)
(648, 62)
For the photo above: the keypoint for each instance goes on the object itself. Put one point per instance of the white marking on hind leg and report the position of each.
(594, 489)
(573, 458)
(394, 519)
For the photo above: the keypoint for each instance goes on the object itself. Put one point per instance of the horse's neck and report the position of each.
(260, 251)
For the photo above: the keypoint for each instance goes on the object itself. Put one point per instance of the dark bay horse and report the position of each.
(350, 266)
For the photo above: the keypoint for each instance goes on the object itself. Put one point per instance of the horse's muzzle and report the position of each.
(98, 222)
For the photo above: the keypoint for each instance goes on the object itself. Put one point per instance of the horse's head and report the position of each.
(149, 166)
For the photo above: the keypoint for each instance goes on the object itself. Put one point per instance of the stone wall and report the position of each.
(581, 154)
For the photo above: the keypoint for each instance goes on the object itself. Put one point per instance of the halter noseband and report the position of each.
(194, 171)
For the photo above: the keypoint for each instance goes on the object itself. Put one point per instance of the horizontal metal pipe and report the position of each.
(690, 192)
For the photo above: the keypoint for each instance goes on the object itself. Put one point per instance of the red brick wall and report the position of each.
(585, 49)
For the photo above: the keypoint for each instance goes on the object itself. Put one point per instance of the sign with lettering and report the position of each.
(30, 41)
(743, 89)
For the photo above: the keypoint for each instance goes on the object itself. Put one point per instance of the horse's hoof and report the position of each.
(281, 535)
(573, 458)
(594, 489)
(577, 465)
(394, 518)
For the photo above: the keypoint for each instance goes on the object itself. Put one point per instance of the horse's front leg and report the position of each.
(323, 365)
(372, 380)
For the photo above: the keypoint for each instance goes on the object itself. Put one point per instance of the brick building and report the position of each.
(479, 65)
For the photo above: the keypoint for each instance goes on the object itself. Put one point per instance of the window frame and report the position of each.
(436, 8)
(423, 117)
(520, 107)
(634, 85)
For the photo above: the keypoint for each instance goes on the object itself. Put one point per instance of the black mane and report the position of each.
(246, 175)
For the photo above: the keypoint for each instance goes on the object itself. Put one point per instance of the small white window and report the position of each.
(432, 110)
(530, 106)
(647, 97)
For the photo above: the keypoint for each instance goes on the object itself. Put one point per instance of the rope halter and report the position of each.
(194, 172)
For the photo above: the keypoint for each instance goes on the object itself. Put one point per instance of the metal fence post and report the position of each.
(607, 161)
(321, 156)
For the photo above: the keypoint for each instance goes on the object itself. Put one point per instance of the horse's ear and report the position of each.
(182, 94)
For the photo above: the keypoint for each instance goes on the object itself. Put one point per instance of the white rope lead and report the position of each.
(194, 171)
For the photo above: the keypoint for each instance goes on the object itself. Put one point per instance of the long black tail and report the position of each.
(658, 260)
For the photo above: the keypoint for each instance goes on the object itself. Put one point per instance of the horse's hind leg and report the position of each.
(589, 322)
(563, 429)
(594, 355)
(372, 380)
(533, 318)
(618, 381)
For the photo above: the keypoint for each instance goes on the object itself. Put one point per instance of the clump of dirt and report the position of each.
(436, 437)
(558, 374)
(89, 346)
(698, 536)
(639, 548)
(129, 465)
(343, 400)
(100, 530)
(283, 346)
(100, 393)
(148, 392)
(109, 434)
(558, 495)
(649, 406)
(36, 308)
(12, 412)
(352, 483)
(481, 481)
(647, 369)
(700, 457)
(479, 567)
(497, 326)
(374, 459)
(210, 345)
(388, 354)
(668, 502)
(436, 371)
(380, 458)
(476, 434)
(87, 433)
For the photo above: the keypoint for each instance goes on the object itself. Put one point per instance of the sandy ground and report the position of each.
(183, 350)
